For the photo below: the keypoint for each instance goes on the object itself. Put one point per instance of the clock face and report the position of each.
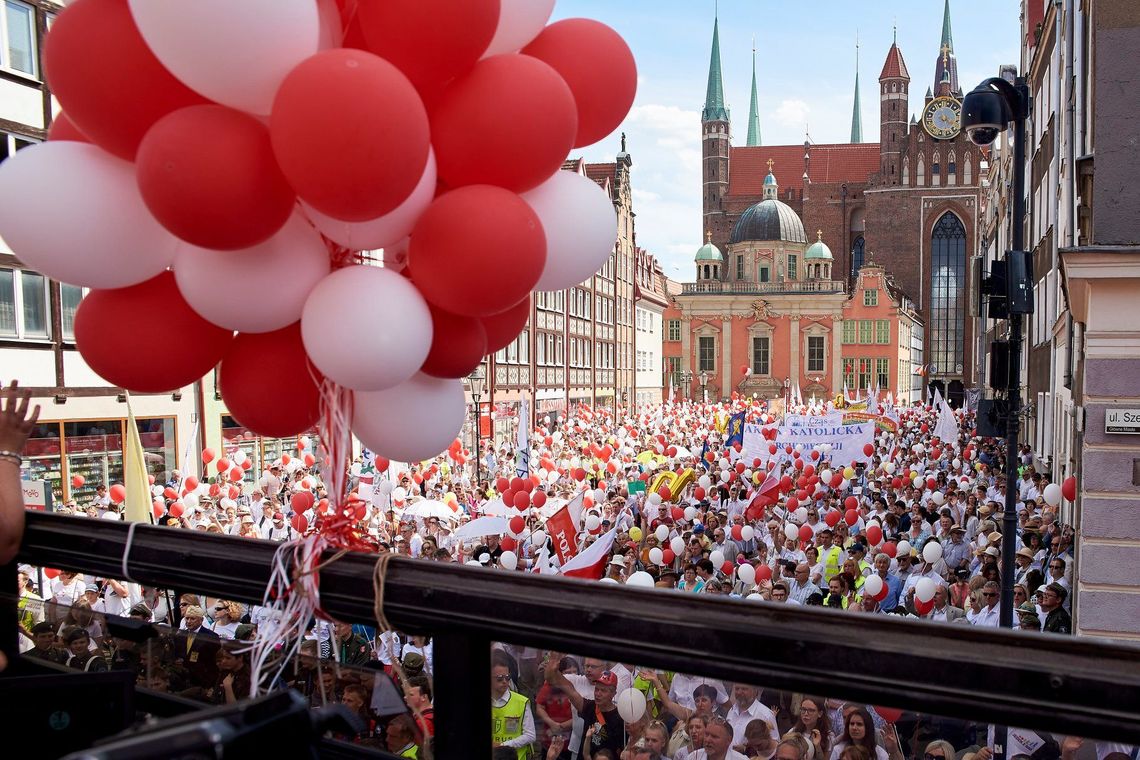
(942, 118)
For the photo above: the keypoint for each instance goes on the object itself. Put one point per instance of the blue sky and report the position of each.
(805, 65)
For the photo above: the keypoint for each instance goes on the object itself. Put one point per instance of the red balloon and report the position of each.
(246, 464)
(868, 449)
(504, 327)
(599, 69)
(874, 535)
(234, 492)
(509, 122)
(431, 41)
(851, 516)
(508, 544)
(107, 79)
(737, 533)
(268, 384)
(806, 533)
(726, 568)
(763, 573)
(215, 491)
(836, 480)
(223, 465)
(793, 505)
(889, 714)
(236, 474)
(922, 607)
(508, 497)
(667, 556)
(931, 483)
(502, 485)
(77, 481)
(191, 482)
(177, 508)
(373, 129)
(786, 483)
(458, 344)
(113, 329)
(896, 483)
(1069, 488)
(208, 174)
(677, 514)
(579, 474)
(475, 249)
(63, 128)
(301, 501)
(889, 548)
(517, 525)
(538, 499)
(382, 464)
(208, 456)
(518, 484)
(286, 459)
(771, 448)
(51, 572)
(740, 468)
(851, 503)
(300, 524)
(169, 493)
(832, 519)
(521, 500)
(665, 493)
(310, 460)
(699, 493)
(158, 509)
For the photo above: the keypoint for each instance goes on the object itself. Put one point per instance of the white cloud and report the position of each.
(792, 112)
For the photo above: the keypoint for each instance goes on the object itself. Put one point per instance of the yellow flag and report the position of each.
(137, 504)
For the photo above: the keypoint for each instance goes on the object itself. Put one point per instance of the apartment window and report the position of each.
(23, 305)
(706, 346)
(816, 355)
(849, 373)
(18, 34)
(882, 331)
(674, 329)
(740, 267)
(673, 367)
(760, 354)
(765, 275)
(870, 297)
(70, 296)
(882, 373)
(864, 374)
(866, 331)
(850, 334)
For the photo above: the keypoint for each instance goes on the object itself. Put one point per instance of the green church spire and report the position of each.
(754, 107)
(856, 117)
(714, 97)
(947, 37)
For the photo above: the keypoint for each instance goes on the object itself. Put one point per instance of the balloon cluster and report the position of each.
(219, 168)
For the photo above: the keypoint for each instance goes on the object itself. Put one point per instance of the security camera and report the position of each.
(986, 110)
(983, 134)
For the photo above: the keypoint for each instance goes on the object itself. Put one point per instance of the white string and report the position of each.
(127, 552)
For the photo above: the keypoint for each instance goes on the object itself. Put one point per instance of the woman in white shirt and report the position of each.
(859, 728)
(227, 618)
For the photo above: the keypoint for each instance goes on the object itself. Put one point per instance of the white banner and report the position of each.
(813, 420)
(847, 441)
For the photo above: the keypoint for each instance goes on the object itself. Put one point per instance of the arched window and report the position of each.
(921, 170)
(857, 255)
(947, 294)
(906, 172)
(967, 171)
(952, 169)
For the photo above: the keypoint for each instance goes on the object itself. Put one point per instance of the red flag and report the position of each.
(591, 563)
(564, 532)
(764, 498)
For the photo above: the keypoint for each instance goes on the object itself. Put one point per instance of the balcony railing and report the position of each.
(762, 288)
(1043, 682)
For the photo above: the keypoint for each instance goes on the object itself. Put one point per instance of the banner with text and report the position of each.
(847, 441)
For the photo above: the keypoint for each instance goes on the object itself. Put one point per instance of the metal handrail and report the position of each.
(1053, 683)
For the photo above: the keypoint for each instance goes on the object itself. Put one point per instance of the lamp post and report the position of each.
(476, 382)
(704, 378)
(686, 379)
(986, 112)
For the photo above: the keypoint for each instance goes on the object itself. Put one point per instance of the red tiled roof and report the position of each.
(602, 173)
(894, 67)
(844, 162)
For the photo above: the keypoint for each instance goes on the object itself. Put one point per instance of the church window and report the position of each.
(967, 172)
(948, 288)
(906, 172)
(760, 355)
(706, 345)
(793, 267)
(740, 267)
(857, 255)
(921, 174)
(816, 353)
(765, 275)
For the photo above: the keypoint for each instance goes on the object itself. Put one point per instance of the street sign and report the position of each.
(1126, 421)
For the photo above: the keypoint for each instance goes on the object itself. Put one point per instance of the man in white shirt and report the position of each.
(119, 597)
(272, 481)
(746, 707)
(987, 617)
(718, 742)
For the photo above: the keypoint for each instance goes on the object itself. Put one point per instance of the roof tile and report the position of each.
(843, 162)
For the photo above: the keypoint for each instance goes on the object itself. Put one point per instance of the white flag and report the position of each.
(946, 429)
(590, 563)
(522, 452)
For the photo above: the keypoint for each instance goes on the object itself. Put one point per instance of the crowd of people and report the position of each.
(913, 527)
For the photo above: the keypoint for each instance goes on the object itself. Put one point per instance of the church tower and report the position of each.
(946, 69)
(856, 115)
(715, 141)
(894, 85)
(753, 107)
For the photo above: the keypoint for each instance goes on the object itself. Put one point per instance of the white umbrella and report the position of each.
(683, 453)
(430, 508)
(484, 526)
(497, 508)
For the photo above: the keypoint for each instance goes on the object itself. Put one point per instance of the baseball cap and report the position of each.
(993, 551)
(995, 536)
(92, 587)
(608, 678)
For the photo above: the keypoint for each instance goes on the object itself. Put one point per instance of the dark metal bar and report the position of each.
(1079, 685)
(462, 665)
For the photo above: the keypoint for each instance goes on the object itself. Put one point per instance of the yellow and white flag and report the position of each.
(137, 505)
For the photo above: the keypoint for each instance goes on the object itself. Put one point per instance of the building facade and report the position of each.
(912, 198)
(650, 301)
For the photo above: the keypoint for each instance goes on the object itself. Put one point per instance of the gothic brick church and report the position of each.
(910, 203)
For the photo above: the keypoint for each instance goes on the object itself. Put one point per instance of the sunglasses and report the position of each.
(988, 594)
(502, 678)
(220, 609)
(929, 756)
(184, 604)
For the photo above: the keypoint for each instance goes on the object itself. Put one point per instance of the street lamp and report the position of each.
(787, 392)
(476, 381)
(987, 111)
(686, 379)
(704, 378)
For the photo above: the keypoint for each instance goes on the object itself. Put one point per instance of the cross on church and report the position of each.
(770, 162)
(945, 53)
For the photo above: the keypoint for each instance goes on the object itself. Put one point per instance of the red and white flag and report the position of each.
(562, 527)
(591, 563)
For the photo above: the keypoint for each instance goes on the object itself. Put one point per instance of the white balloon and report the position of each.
(520, 21)
(938, 498)
(932, 552)
(747, 533)
(918, 448)
(599, 496)
(872, 585)
(474, 563)
(902, 549)
(791, 531)
(631, 702)
(656, 555)
(640, 578)
(754, 597)
(801, 515)
(73, 212)
(825, 476)
(216, 284)
(608, 580)
(746, 574)
(717, 558)
(723, 463)
(580, 225)
(190, 499)
(413, 421)
(509, 560)
(724, 476)
(889, 468)
(386, 487)
(662, 532)
(386, 231)
(368, 329)
(1052, 494)
(690, 513)
(705, 482)
(157, 490)
(593, 522)
(924, 589)
(238, 457)
(677, 545)
(538, 538)
(240, 63)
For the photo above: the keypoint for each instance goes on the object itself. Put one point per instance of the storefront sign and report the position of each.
(1126, 421)
(37, 495)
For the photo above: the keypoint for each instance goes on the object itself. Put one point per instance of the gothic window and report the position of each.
(951, 169)
(857, 255)
(967, 172)
(948, 293)
(921, 174)
(906, 172)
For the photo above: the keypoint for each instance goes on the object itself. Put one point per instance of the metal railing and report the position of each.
(762, 288)
(1052, 683)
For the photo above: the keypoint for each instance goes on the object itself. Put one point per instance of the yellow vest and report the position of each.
(412, 751)
(830, 559)
(507, 722)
